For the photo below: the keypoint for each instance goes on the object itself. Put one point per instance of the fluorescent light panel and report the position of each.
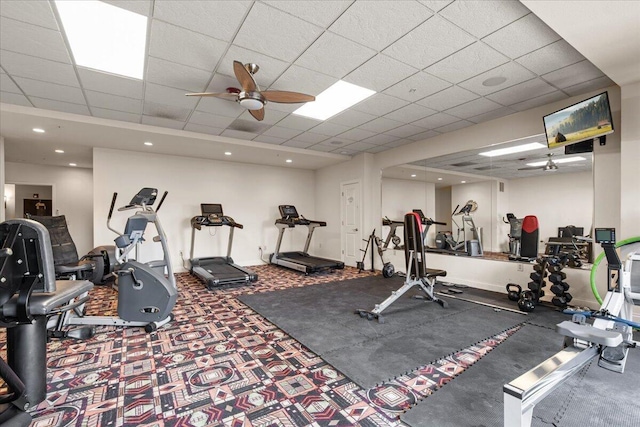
(105, 37)
(562, 160)
(338, 97)
(511, 150)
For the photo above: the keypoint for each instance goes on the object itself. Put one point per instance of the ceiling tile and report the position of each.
(417, 86)
(285, 108)
(238, 134)
(323, 148)
(437, 120)
(379, 73)
(484, 17)
(50, 90)
(280, 132)
(115, 115)
(359, 146)
(380, 139)
(209, 130)
(410, 113)
(179, 76)
(7, 85)
(380, 104)
(19, 65)
(336, 142)
(405, 131)
(297, 144)
(334, 55)
(377, 149)
(33, 12)
(473, 108)
(109, 83)
(424, 135)
(112, 102)
(357, 134)
(484, 117)
(220, 83)
(352, 118)
(300, 79)
(270, 30)
(41, 42)
(67, 107)
(271, 116)
(330, 129)
(170, 96)
(321, 13)
(436, 38)
(270, 68)
(345, 152)
(184, 47)
(573, 74)
(364, 20)
(514, 74)
(454, 126)
(270, 139)
(381, 124)
(219, 19)
(310, 137)
(448, 98)
(466, 63)
(141, 7)
(541, 100)
(210, 120)
(220, 107)
(551, 57)
(588, 86)
(435, 5)
(14, 98)
(398, 143)
(162, 111)
(162, 122)
(298, 122)
(522, 92)
(521, 37)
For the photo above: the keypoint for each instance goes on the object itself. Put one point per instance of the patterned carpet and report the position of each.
(221, 364)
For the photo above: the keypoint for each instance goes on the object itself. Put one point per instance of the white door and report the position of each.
(351, 227)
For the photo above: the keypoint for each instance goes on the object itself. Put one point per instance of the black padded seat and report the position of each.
(73, 268)
(433, 272)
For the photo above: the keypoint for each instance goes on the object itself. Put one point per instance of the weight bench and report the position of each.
(417, 272)
(29, 293)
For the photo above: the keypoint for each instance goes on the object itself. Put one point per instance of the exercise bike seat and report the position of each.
(589, 333)
(433, 272)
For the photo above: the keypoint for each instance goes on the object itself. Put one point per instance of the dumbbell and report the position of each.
(574, 261)
(557, 277)
(560, 288)
(526, 302)
(537, 277)
(562, 301)
(538, 268)
(514, 291)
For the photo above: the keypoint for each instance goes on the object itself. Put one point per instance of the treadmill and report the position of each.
(300, 261)
(217, 271)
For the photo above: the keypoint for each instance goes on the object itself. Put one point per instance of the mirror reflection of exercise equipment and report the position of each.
(388, 270)
(467, 241)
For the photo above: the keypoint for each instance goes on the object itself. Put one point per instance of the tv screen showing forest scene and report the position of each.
(579, 122)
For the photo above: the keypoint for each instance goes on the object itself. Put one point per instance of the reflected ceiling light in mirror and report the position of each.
(72, 164)
(439, 179)
(227, 153)
(149, 144)
(463, 182)
(38, 130)
(338, 97)
(289, 161)
(60, 151)
(511, 150)
(413, 175)
(561, 160)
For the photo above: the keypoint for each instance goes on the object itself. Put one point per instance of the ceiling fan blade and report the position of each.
(244, 77)
(258, 114)
(223, 95)
(531, 168)
(286, 97)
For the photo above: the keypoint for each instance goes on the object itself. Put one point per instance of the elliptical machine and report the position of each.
(146, 296)
(462, 245)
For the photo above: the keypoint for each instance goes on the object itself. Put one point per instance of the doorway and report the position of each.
(351, 222)
(22, 199)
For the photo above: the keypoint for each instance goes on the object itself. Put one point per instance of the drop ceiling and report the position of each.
(428, 61)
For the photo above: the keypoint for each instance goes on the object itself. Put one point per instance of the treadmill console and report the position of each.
(212, 216)
(289, 216)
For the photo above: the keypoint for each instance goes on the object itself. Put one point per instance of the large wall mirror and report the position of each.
(524, 178)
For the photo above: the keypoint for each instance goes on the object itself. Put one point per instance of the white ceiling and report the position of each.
(426, 59)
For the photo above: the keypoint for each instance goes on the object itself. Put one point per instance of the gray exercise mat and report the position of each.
(415, 332)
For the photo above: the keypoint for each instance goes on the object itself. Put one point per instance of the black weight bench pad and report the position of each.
(43, 303)
(432, 272)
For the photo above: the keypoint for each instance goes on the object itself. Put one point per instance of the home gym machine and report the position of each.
(467, 241)
(388, 270)
(417, 272)
(300, 261)
(146, 296)
(220, 270)
(609, 337)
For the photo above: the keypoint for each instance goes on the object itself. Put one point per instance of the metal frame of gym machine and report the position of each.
(211, 269)
(610, 338)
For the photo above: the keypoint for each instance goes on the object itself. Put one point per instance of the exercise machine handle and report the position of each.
(455, 210)
(162, 200)
(113, 204)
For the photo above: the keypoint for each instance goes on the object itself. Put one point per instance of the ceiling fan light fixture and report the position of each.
(551, 167)
(251, 103)
(561, 160)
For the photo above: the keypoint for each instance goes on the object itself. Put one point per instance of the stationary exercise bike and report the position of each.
(146, 296)
(467, 241)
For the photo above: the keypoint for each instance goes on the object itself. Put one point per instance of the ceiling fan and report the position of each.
(550, 166)
(250, 96)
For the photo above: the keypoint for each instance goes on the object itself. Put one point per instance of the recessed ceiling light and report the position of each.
(59, 151)
(413, 175)
(494, 81)
(439, 179)
(105, 37)
(289, 161)
(338, 97)
(562, 160)
(72, 164)
(463, 182)
(511, 150)
(148, 143)
(38, 130)
(227, 153)
(344, 152)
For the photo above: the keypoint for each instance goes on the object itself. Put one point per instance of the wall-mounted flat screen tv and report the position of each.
(585, 120)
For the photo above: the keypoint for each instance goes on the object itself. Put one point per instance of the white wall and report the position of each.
(10, 201)
(443, 208)
(72, 195)
(22, 192)
(248, 193)
(2, 176)
(630, 156)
